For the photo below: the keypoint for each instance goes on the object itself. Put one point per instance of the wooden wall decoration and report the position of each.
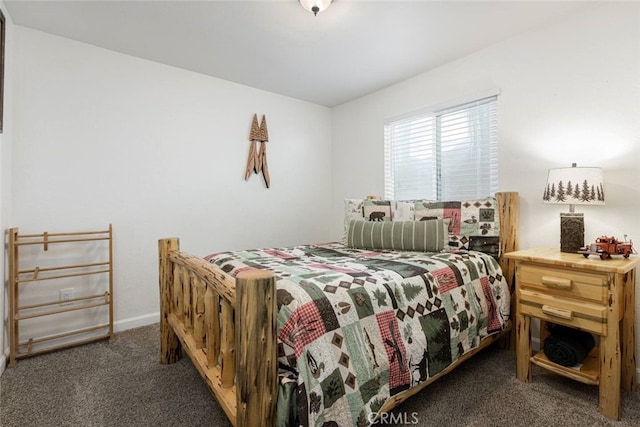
(257, 161)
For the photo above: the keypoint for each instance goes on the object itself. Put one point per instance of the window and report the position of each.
(450, 154)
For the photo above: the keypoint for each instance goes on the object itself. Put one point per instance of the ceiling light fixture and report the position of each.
(315, 6)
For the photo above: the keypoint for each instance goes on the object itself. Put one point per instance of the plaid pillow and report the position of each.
(474, 224)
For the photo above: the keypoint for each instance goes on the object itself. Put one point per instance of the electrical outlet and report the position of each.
(66, 295)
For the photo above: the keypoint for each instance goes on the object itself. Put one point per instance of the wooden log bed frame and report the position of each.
(227, 325)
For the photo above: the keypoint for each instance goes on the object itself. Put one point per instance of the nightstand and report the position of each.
(590, 294)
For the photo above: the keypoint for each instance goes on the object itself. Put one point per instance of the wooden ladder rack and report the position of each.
(18, 312)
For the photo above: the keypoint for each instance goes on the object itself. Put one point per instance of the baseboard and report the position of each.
(136, 322)
(3, 363)
(535, 344)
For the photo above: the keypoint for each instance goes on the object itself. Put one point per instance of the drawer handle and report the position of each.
(557, 312)
(555, 282)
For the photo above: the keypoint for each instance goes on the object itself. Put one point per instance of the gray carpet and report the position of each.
(122, 384)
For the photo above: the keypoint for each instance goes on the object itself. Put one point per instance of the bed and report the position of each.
(338, 333)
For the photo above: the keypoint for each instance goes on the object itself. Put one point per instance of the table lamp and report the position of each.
(573, 186)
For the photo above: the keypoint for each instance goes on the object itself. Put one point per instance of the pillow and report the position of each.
(422, 236)
(352, 210)
(390, 210)
(474, 223)
(377, 210)
(402, 211)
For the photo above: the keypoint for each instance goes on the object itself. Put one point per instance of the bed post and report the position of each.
(256, 348)
(508, 211)
(170, 347)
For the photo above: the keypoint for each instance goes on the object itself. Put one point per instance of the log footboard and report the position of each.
(226, 326)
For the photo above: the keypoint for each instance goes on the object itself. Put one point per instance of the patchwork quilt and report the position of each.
(356, 327)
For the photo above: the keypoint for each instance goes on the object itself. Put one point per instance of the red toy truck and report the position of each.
(605, 246)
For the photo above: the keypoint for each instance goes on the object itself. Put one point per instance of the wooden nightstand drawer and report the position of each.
(564, 282)
(577, 314)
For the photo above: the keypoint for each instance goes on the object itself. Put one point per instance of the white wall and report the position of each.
(6, 141)
(570, 92)
(158, 151)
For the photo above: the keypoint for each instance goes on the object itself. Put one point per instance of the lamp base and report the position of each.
(571, 232)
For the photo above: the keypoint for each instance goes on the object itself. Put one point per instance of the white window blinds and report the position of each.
(449, 154)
